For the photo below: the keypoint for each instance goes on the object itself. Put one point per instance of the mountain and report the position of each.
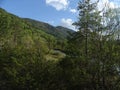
(16, 32)
(65, 31)
(26, 50)
(59, 31)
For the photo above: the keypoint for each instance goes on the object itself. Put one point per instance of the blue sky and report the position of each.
(54, 12)
(44, 10)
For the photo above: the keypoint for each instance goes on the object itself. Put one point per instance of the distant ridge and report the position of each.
(59, 31)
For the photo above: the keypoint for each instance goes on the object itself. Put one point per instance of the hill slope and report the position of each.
(16, 32)
(59, 31)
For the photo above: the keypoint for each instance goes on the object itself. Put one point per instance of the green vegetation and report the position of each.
(55, 55)
(37, 56)
(59, 32)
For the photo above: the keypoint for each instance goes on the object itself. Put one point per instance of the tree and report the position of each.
(83, 46)
(93, 47)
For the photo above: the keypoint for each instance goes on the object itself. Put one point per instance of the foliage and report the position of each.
(32, 59)
(59, 32)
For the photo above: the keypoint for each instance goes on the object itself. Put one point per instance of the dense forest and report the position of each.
(37, 56)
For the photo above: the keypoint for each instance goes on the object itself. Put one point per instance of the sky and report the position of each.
(54, 12)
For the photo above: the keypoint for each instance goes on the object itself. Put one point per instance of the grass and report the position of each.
(55, 55)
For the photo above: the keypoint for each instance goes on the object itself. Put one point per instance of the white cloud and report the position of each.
(106, 3)
(67, 23)
(73, 10)
(58, 4)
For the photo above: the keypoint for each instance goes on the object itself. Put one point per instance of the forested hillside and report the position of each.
(29, 33)
(37, 56)
(25, 47)
(59, 31)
